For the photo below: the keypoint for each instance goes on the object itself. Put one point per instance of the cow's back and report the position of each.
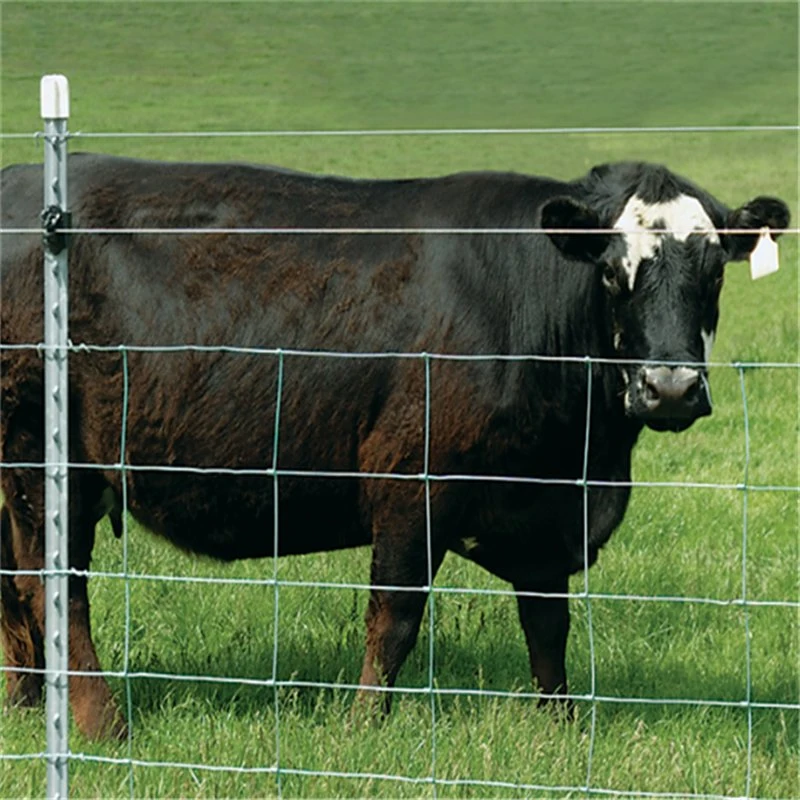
(304, 290)
(21, 255)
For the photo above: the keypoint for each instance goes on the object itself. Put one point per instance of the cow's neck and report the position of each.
(562, 312)
(559, 308)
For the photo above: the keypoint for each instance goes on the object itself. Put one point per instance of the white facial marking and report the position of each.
(708, 343)
(680, 217)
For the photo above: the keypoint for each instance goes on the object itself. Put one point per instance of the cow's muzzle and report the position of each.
(669, 398)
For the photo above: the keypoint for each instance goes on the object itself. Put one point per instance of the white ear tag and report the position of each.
(764, 258)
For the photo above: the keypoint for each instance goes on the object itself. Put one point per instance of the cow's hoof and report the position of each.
(369, 709)
(103, 725)
(113, 729)
(23, 690)
(562, 709)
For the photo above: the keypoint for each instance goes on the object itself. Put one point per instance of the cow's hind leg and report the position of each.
(93, 706)
(23, 620)
(21, 634)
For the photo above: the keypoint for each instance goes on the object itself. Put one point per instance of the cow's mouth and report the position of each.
(674, 425)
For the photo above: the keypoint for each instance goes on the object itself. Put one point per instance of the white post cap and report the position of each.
(54, 95)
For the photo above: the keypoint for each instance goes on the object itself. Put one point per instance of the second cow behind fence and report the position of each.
(630, 269)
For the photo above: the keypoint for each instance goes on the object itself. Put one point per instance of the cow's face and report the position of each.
(662, 276)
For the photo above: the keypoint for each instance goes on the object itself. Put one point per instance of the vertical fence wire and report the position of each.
(586, 594)
(745, 610)
(126, 656)
(429, 548)
(276, 587)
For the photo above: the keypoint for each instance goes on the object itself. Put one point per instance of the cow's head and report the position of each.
(662, 275)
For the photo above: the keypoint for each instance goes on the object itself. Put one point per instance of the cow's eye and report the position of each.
(609, 275)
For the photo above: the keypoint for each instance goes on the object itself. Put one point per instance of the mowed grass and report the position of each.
(322, 66)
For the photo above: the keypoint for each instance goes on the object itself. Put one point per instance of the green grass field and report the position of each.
(338, 65)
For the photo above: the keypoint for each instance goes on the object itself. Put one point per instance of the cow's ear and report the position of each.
(763, 212)
(573, 228)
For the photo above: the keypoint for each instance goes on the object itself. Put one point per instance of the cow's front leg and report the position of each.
(394, 615)
(545, 621)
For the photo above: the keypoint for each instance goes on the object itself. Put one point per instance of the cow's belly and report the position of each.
(234, 517)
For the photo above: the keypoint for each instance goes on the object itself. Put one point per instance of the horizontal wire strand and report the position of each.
(732, 602)
(83, 347)
(370, 776)
(267, 472)
(499, 694)
(382, 231)
(396, 132)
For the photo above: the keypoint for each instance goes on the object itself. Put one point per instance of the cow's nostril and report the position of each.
(692, 390)
(650, 392)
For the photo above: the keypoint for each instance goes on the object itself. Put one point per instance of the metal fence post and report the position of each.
(55, 112)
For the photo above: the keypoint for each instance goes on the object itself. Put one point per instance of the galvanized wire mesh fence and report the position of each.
(433, 781)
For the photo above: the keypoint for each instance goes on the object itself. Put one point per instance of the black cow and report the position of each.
(631, 268)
